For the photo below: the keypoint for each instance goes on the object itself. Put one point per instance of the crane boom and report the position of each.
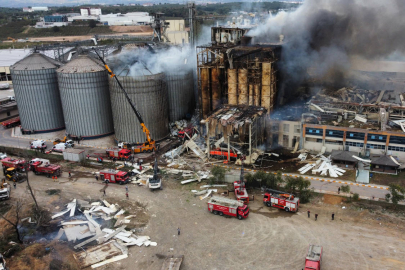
(137, 113)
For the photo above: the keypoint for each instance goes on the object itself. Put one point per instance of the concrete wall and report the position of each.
(286, 132)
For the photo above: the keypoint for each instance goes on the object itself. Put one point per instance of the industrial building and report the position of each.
(35, 9)
(9, 58)
(131, 18)
(231, 70)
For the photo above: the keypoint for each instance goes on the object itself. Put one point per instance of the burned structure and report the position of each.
(240, 128)
(231, 70)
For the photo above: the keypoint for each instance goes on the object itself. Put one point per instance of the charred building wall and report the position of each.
(237, 75)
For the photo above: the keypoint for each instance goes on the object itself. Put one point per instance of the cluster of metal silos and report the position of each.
(36, 91)
(80, 97)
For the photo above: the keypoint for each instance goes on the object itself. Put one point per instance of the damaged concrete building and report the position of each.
(237, 129)
(233, 70)
(368, 122)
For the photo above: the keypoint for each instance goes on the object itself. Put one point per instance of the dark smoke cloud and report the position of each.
(323, 35)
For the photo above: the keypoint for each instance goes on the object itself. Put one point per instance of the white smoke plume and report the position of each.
(143, 61)
(322, 36)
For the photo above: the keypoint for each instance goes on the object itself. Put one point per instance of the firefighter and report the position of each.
(316, 217)
(309, 213)
(53, 178)
(333, 216)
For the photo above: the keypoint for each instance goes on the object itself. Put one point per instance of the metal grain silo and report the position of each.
(83, 85)
(149, 94)
(180, 88)
(37, 94)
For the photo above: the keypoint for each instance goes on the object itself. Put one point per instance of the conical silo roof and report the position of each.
(82, 64)
(36, 61)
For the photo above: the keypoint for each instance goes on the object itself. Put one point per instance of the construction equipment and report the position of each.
(114, 176)
(5, 191)
(282, 200)
(13, 175)
(155, 181)
(12, 39)
(9, 173)
(314, 258)
(150, 144)
(64, 140)
(13, 122)
(225, 206)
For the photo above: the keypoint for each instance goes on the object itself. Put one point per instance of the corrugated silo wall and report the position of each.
(86, 104)
(38, 99)
(181, 94)
(149, 94)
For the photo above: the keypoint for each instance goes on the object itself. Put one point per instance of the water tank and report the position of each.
(83, 85)
(36, 92)
(149, 94)
(180, 87)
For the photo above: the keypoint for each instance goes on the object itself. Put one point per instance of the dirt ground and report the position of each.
(360, 237)
(131, 29)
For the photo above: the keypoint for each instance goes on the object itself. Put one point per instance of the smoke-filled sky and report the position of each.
(325, 34)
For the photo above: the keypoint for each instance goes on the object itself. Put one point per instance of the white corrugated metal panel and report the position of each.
(11, 56)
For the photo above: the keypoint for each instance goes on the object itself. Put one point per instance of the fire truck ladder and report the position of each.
(225, 201)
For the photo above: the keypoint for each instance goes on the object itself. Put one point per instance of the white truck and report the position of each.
(3, 155)
(60, 147)
(38, 144)
(5, 191)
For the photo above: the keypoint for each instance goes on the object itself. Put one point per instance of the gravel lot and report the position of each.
(268, 239)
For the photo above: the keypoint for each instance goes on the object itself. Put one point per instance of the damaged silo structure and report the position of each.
(149, 94)
(83, 85)
(36, 91)
(181, 94)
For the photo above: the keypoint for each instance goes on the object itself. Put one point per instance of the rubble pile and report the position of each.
(81, 227)
(322, 165)
(176, 126)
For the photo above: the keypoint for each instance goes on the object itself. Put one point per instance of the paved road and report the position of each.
(330, 185)
(320, 184)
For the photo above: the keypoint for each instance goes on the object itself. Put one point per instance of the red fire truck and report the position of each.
(41, 167)
(121, 154)
(13, 122)
(225, 206)
(19, 164)
(114, 176)
(281, 200)
(314, 258)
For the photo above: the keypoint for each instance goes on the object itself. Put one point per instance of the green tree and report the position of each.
(345, 188)
(396, 194)
(92, 23)
(55, 29)
(262, 178)
(300, 186)
(218, 173)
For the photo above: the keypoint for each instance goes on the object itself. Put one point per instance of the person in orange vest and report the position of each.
(56, 178)
(53, 178)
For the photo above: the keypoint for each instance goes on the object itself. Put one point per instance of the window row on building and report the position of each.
(395, 148)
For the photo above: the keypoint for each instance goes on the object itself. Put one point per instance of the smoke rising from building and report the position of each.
(144, 61)
(322, 36)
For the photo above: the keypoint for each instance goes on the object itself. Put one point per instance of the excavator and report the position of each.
(150, 144)
(12, 39)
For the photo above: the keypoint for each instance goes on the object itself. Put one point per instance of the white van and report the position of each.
(60, 147)
(38, 144)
